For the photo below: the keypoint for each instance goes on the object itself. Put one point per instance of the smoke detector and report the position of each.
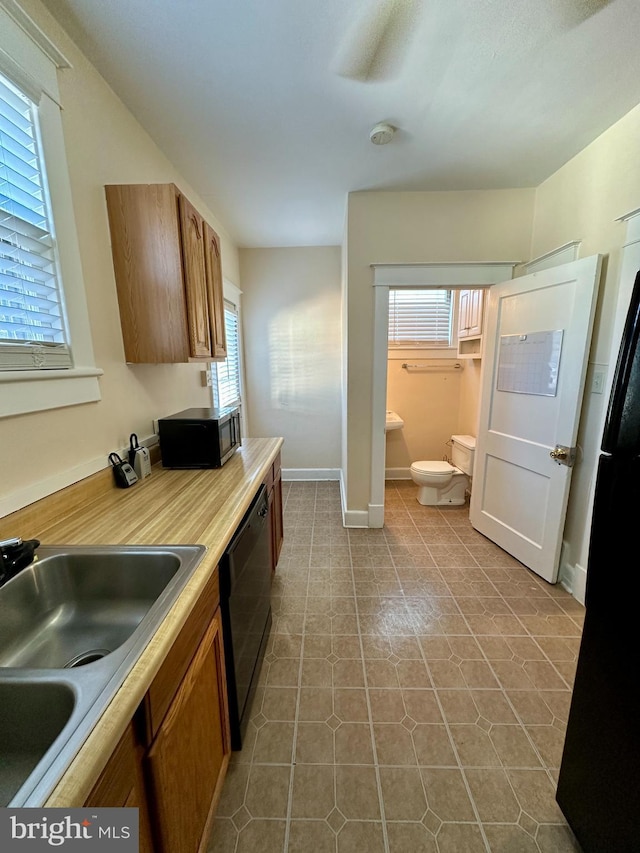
(382, 133)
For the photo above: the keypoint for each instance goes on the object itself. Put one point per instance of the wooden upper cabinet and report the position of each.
(171, 304)
(213, 259)
(195, 279)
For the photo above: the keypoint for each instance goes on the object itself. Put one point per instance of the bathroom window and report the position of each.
(420, 318)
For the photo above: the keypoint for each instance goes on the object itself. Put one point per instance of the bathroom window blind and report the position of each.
(420, 318)
(228, 371)
(32, 327)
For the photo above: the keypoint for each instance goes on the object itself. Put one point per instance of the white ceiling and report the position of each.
(249, 100)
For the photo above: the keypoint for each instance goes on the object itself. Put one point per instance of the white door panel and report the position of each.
(520, 493)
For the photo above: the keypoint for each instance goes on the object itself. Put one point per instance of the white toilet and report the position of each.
(442, 484)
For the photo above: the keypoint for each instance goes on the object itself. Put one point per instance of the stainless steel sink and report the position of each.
(71, 627)
(70, 609)
(33, 715)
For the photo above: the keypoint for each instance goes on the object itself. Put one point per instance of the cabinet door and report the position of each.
(195, 279)
(120, 784)
(470, 313)
(188, 759)
(148, 268)
(278, 529)
(463, 313)
(475, 312)
(215, 292)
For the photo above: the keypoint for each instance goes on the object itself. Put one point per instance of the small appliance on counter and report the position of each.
(199, 438)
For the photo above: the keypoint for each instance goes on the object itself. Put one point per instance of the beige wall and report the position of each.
(582, 202)
(105, 144)
(413, 227)
(291, 305)
(469, 398)
(429, 403)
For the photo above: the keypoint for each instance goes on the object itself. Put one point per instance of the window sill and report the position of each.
(38, 390)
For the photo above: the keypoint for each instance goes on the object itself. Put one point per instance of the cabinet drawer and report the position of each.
(160, 695)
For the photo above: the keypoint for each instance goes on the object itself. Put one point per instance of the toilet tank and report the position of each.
(463, 451)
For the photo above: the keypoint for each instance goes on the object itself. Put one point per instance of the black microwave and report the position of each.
(199, 438)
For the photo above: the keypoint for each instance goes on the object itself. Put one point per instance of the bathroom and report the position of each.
(433, 374)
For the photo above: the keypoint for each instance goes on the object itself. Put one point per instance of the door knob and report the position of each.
(563, 455)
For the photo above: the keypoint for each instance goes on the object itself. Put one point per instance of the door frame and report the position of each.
(451, 276)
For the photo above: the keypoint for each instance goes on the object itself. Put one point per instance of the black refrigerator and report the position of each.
(599, 781)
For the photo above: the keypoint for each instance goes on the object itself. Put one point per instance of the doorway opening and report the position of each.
(402, 276)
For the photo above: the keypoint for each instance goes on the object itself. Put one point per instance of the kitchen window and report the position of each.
(420, 319)
(33, 330)
(46, 352)
(227, 374)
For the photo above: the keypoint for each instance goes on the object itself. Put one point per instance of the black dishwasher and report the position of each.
(245, 604)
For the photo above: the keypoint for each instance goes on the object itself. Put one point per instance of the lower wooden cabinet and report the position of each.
(273, 482)
(172, 760)
(121, 785)
(184, 767)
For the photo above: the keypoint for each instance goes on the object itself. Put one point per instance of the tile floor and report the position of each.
(414, 694)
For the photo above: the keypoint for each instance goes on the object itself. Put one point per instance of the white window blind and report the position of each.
(228, 371)
(32, 327)
(420, 318)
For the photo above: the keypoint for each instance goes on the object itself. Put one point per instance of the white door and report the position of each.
(538, 331)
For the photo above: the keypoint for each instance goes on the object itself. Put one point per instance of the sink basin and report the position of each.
(32, 715)
(70, 609)
(72, 625)
(393, 421)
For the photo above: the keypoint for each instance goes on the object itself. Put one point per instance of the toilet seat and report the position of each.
(433, 467)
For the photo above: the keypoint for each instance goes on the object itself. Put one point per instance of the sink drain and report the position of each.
(87, 657)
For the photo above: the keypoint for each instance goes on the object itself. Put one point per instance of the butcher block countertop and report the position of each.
(169, 508)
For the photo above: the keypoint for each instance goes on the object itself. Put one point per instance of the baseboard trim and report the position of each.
(351, 517)
(397, 473)
(292, 474)
(573, 578)
(579, 590)
(376, 515)
(355, 518)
